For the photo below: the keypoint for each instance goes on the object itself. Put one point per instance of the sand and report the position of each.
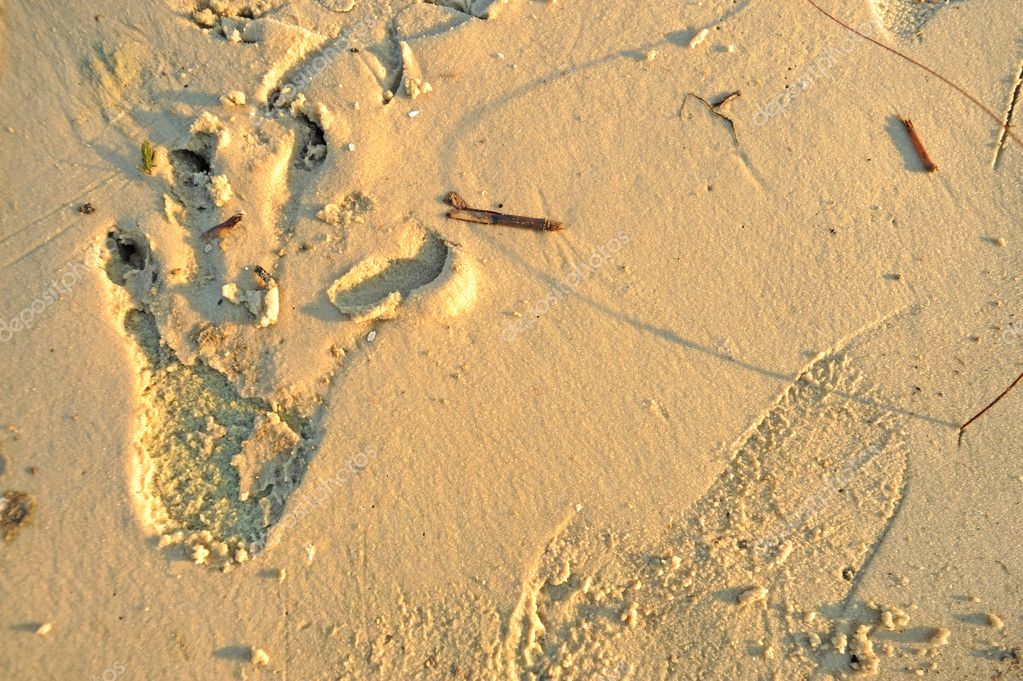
(710, 430)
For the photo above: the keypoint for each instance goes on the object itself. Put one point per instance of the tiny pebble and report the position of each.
(44, 629)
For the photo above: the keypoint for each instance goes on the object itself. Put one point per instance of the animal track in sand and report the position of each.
(376, 286)
(906, 18)
(211, 469)
(797, 513)
(229, 403)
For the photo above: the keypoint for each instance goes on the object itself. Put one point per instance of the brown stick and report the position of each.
(721, 102)
(462, 211)
(946, 81)
(222, 230)
(918, 145)
(982, 411)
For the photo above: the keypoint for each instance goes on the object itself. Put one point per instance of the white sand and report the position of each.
(707, 431)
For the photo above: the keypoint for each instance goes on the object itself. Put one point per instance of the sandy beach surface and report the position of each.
(269, 412)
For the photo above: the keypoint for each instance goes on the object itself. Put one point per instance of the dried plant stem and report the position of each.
(993, 403)
(980, 105)
(462, 211)
(918, 145)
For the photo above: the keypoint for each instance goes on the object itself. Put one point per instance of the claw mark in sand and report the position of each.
(210, 469)
(1003, 136)
(421, 263)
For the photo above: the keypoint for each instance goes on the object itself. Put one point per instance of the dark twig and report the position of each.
(462, 211)
(222, 230)
(980, 105)
(993, 403)
(725, 100)
(918, 145)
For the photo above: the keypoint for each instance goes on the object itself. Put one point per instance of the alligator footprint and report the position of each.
(235, 335)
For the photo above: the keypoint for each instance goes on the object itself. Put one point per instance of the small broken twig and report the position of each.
(463, 212)
(918, 145)
(982, 411)
(223, 229)
(727, 99)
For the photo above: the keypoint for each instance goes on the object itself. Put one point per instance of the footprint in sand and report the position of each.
(906, 18)
(234, 337)
(758, 577)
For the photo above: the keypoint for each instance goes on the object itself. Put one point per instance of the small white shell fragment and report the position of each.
(350, 146)
(371, 336)
(271, 307)
(44, 629)
(413, 113)
(699, 38)
(650, 55)
(310, 553)
(260, 658)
